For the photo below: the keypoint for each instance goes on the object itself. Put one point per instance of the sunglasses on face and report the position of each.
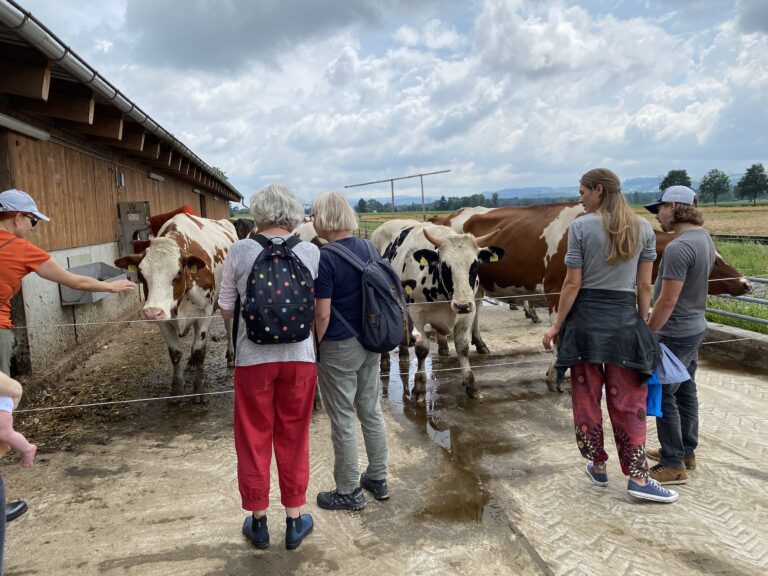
(32, 219)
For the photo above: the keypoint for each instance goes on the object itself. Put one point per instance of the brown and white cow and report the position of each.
(442, 265)
(536, 240)
(181, 272)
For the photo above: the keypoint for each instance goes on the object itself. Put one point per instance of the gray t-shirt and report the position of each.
(241, 256)
(689, 257)
(588, 249)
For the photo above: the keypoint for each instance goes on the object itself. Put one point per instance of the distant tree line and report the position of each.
(716, 185)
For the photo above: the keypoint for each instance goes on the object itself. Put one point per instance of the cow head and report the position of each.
(725, 279)
(167, 272)
(454, 265)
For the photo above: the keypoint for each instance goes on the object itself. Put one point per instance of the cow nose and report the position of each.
(463, 307)
(747, 284)
(153, 313)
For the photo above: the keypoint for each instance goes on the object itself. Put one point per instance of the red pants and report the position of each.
(273, 405)
(626, 397)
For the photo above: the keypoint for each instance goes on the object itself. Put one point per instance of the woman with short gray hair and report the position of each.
(348, 374)
(274, 383)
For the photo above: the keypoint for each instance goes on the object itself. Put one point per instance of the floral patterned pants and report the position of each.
(626, 397)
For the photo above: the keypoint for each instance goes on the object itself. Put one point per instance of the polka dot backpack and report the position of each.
(279, 305)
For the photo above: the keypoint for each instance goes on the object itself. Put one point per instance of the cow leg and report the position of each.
(477, 340)
(168, 330)
(555, 376)
(230, 347)
(318, 402)
(442, 345)
(384, 364)
(402, 351)
(197, 360)
(461, 340)
(420, 379)
(530, 311)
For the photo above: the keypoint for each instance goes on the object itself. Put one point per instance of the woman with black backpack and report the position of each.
(348, 373)
(272, 275)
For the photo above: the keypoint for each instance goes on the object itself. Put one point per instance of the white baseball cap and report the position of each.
(17, 201)
(678, 194)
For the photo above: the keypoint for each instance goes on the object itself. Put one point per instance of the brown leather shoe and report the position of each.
(665, 475)
(655, 455)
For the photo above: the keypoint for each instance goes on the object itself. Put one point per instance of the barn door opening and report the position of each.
(203, 211)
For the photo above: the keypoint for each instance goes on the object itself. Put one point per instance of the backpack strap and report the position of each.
(347, 255)
(290, 242)
(260, 239)
(356, 262)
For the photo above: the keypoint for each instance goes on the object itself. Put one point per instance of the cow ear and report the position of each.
(129, 262)
(194, 263)
(425, 256)
(491, 254)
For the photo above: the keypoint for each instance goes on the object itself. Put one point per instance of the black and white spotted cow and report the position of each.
(438, 268)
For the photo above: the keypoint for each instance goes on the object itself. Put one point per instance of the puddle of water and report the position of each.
(459, 495)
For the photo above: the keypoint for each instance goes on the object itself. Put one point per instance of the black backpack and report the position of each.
(279, 305)
(385, 319)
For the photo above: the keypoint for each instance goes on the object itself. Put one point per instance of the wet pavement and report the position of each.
(489, 486)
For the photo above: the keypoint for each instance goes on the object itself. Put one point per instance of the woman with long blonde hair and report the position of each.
(601, 332)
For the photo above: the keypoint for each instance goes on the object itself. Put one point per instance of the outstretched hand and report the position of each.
(121, 286)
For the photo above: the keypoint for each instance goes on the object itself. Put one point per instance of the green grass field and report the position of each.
(750, 260)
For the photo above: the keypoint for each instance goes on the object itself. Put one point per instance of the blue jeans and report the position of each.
(678, 428)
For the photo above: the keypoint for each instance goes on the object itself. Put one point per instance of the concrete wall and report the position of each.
(54, 330)
(746, 348)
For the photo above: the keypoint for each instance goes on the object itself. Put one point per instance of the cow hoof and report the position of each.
(483, 349)
(475, 394)
(421, 397)
(553, 386)
(536, 320)
(317, 405)
(442, 351)
(200, 399)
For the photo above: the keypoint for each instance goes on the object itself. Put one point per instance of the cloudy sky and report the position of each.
(320, 94)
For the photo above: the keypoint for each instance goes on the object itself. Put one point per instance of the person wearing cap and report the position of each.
(601, 332)
(677, 317)
(18, 257)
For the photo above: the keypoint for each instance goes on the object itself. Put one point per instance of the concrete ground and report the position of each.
(494, 486)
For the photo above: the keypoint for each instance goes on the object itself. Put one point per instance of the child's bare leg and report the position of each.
(16, 440)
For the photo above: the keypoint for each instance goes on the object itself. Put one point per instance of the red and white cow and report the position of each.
(536, 240)
(442, 265)
(181, 272)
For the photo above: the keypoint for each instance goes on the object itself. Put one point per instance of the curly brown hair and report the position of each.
(687, 214)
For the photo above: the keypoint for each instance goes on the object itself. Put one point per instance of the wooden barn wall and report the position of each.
(79, 192)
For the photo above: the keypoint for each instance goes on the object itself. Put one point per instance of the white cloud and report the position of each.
(502, 92)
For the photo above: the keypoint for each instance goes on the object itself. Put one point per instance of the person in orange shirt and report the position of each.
(18, 257)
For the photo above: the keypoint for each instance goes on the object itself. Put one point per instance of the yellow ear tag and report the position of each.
(133, 268)
(494, 258)
(193, 268)
(423, 261)
(408, 289)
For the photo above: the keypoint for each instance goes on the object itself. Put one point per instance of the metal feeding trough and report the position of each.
(100, 271)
